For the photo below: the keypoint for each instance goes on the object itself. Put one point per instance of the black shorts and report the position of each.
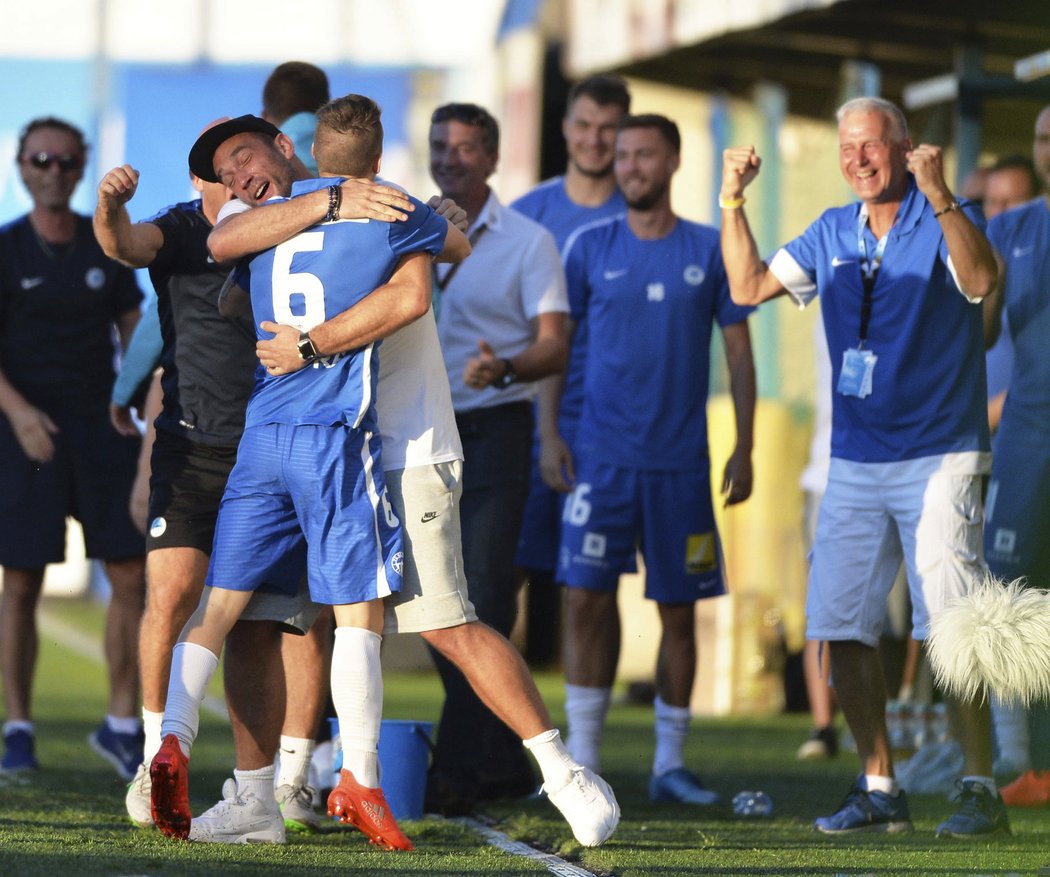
(186, 484)
(89, 478)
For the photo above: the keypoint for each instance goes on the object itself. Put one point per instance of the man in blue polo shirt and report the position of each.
(898, 274)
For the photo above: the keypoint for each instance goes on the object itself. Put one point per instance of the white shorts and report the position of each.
(868, 522)
(434, 586)
(295, 613)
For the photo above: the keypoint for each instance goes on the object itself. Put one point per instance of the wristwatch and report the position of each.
(509, 376)
(307, 349)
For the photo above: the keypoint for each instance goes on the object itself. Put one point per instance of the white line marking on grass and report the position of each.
(88, 647)
(498, 839)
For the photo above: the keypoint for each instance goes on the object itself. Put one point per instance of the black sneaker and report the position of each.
(980, 812)
(822, 743)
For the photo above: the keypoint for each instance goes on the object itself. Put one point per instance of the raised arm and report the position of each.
(133, 244)
(972, 257)
(737, 480)
(402, 299)
(750, 280)
(271, 224)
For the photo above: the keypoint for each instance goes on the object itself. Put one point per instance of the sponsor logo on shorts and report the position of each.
(700, 553)
(157, 527)
(1005, 540)
(397, 562)
(95, 278)
(593, 545)
(31, 282)
(428, 516)
(693, 275)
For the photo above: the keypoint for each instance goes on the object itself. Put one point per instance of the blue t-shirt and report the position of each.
(651, 306)
(929, 393)
(551, 207)
(314, 276)
(1022, 237)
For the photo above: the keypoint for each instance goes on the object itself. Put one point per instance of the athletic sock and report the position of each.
(124, 724)
(672, 728)
(357, 692)
(192, 667)
(886, 785)
(151, 722)
(550, 753)
(18, 725)
(585, 709)
(294, 765)
(258, 782)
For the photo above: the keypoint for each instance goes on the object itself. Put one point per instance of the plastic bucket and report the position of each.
(404, 755)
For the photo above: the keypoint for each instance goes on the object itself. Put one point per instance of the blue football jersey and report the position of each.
(650, 306)
(554, 210)
(311, 278)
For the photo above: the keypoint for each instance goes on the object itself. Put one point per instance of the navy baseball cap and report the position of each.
(203, 151)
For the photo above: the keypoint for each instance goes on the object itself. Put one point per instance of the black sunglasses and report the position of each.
(44, 160)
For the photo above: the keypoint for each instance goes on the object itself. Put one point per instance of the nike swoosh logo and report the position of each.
(1018, 253)
(30, 282)
(612, 275)
(836, 261)
(428, 516)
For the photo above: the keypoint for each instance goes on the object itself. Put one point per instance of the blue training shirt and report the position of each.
(311, 278)
(651, 306)
(929, 393)
(550, 206)
(1022, 238)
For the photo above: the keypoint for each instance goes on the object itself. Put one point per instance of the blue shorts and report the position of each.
(89, 478)
(1017, 509)
(541, 523)
(314, 495)
(613, 510)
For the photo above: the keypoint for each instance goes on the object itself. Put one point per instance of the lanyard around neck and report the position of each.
(869, 269)
(442, 282)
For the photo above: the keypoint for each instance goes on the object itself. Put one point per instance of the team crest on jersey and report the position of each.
(700, 553)
(95, 278)
(397, 562)
(157, 527)
(1005, 540)
(655, 291)
(693, 275)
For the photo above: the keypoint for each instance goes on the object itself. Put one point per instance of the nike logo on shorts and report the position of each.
(428, 516)
(30, 282)
(612, 275)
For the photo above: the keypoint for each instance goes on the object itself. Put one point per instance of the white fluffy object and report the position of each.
(997, 638)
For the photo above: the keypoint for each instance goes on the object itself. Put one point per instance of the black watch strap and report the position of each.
(510, 376)
(307, 349)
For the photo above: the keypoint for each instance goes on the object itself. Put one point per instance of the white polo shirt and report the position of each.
(513, 275)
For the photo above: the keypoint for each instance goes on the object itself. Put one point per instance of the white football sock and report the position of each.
(151, 726)
(192, 667)
(357, 692)
(258, 782)
(295, 755)
(672, 727)
(585, 709)
(123, 724)
(886, 785)
(550, 753)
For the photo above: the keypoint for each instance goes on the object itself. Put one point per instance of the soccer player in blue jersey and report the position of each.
(651, 288)
(60, 300)
(898, 273)
(308, 478)
(1017, 531)
(586, 192)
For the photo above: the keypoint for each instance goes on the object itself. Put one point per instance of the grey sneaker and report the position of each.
(296, 803)
(239, 819)
(980, 813)
(137, 799)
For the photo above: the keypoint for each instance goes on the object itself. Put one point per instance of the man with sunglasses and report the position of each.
(60, 298)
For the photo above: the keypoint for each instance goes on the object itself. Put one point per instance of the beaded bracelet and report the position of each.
(335, 200)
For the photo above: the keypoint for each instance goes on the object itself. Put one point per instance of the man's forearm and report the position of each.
(135, 245)
(266, 226)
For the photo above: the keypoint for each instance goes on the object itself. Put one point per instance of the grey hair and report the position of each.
(887, 109)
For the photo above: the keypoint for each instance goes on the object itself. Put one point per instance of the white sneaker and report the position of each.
(589, 806)
(137, 799)
(239, 819)
(296, 803)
